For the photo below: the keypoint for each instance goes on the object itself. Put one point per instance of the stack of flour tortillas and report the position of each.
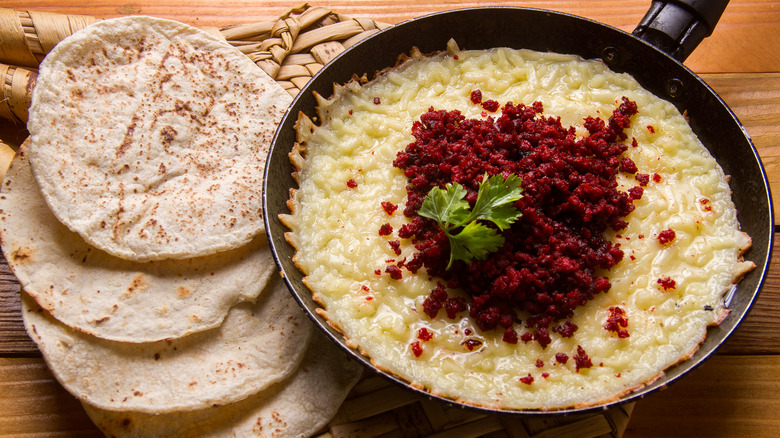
(133, 221)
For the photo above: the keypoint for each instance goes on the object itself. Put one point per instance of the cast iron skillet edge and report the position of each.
(542, 30)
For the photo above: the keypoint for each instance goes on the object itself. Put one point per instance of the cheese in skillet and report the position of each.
(668, 288)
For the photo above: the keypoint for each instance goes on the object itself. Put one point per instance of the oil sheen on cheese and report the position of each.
(346, 172)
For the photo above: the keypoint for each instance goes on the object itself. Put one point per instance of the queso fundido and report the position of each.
(670, 253)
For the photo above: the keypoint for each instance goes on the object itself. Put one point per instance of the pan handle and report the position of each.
(678, 26)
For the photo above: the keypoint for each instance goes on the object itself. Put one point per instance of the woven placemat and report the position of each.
(291, 49)
(377, 408)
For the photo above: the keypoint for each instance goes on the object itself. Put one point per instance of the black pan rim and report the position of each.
(274, 231)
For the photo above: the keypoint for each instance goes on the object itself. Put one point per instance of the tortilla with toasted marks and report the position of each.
(149, 138)
(258, 345)
(298, 406)
(113, 298)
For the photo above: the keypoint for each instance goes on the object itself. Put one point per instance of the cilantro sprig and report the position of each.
(470, 239)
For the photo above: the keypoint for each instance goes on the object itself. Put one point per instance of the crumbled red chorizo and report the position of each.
(561, 358)
(527, 379)
(389, 207)
(705, 203)
(666, 236)
(627, 165)
(394, 271)
(617, 321)
(542, 336)
(656, 177)
(377, 101)
(385, 230)
(471, 344)
(351, 184)
(439, 299)
(549, 262)
(635, 193)
(454, 305)
(651, 129)
(431, 307)
(539, 363)
(491, 105)
(581, 359)
(476, 97)
(510, 336)
(424, 335)
(667, 283)
(395, 245)
(566, 329)
(642, 178)
(417, 349)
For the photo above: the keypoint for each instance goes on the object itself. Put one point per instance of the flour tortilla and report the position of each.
(113, 298)
(258, 345)
(149, 138)
(299, 406)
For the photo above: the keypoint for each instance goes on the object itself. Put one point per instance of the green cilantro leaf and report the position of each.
(494, 200)
(446, 206)
(475, 241)
(449, 208)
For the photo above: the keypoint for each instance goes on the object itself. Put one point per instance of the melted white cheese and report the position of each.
(335, 230)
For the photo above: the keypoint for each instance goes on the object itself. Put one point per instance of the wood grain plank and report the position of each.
(759, 333)
(747, 38)
(716, 400)
(755, 100)
(13, 338)
(32, 403)
(732, 395)
(720, 399)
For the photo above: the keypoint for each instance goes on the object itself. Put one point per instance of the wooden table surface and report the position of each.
(734, 394)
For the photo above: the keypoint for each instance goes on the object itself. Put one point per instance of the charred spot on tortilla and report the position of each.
(154, 107)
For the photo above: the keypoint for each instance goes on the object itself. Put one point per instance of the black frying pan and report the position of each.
(653, 55)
